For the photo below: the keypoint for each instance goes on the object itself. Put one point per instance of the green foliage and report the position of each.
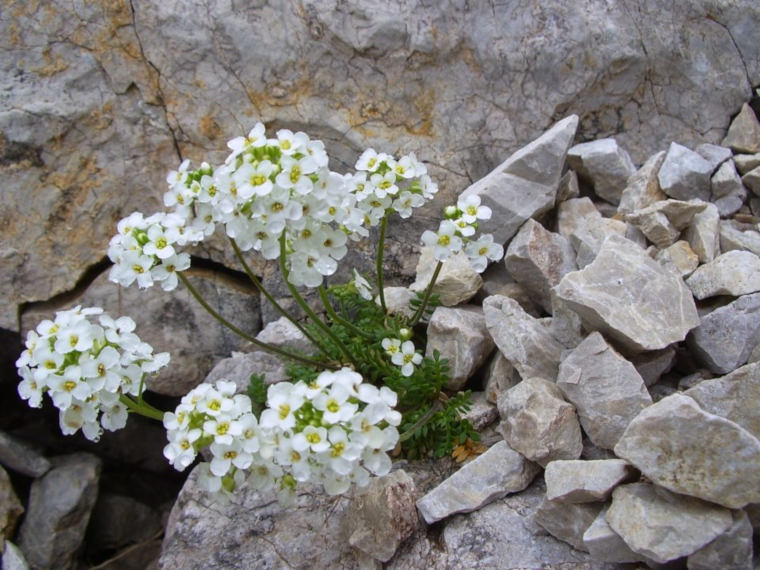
(257, 392)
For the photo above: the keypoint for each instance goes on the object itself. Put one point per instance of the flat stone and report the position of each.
(604, 387)
(605, 545)
(538, 259)
(728, 192)
(732, 273)
(631, 298)
(461, 336)
(734, 235)
(643, 188)
(579, 481)
(744, 133)
(732, 549)
(525, 185)
(681, 447)
(714, 154)
(703, 233)
(726, 337)
(497, 472)
(567, 521)
(522, 339)
(21, 456)
(539, 423)
(605, 164)
(679, 257)
(643, 515)
(457, 282)
(684, 174)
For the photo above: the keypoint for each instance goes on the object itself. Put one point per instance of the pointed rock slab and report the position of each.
(662, 525)
(732, 273)
(605, 389)
(643, 188)
(732, 549)
(499, 471)
(539, 423)
(567, 521)
(525, 185)
(726, 337)
(605, 164)
(752, 180)
(728, 192)
(684, 174)
(630, 297)
(703, 234)
(746, 162)
(522, 339)
(460, 335)
(744, 133)
(681, 447)
(578, 481)
(538, 259)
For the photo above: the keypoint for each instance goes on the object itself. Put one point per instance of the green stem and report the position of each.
(420, 422)
(142, 408)
(380, 253)
(337, 318)
(249, 338)
(429, 291)
(271, 299)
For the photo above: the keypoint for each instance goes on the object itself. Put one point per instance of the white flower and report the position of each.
(362, 286)
(311, 438)
(445, 242)
(472, 210)
(407, 357)
(368, 161)
(392, 346)
(253, 180)
(256, 138)
(482, 251)
(335, 405)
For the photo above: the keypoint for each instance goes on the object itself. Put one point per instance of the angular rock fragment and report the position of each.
(492, 475)
(523, 340)
(744, 132)
(10, 507)
(703, 233)
(605, 545)
(605, 164)
(652, 365)
(460, 335)
(568, 187)
(539, 423)
(22, 456)
(714, 154)
(630, 297)
(538, 259)
(683, 448)
(752, 180)
(567, 521)
(679, 257)
(732, 273)
(500, 376)
(579, 481)
(684, 174)
(457, 282)
(13, 558)
(605, 389)
(746, 162)
(397, 301)
(643, 188)
(662, 525)
(483, 413)
(525, 185)
(239, 367)
(734, 235)
(728, 192)
(566, 325)
(732, 549)
(725, 338)
(282, 333)
(663, 221)
(580, 222)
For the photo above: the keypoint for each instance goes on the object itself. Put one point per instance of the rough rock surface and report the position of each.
(643, 188)
(732, 273)
(605, 164)
(578, 481)
(744, 133)
(10, 507)
(457, 282)
(567, 521)
(732, 549)
(684, 174)
(605, 545)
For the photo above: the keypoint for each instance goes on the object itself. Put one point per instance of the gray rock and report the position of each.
(282, 333)
(734, 235)
(725, 338)
(538, 423)
(566, 324)
(643, 515)
(732, 273)
(605, 164)
(397, 301)
(21, 456)
(732, 549)
(746, 162)
(679, 257)
(500, 376)
(457, 281)
(683, 448)
(605, 545)
(459, 334)
(733, 397)
(239, 367)
(715, 154)
(652, 365)
(605, 389)
(538, 259)
(663, 221)
(523, 340)
(703, 233)
(580, 222)
(578, 481)
(483, 413)
(10, 507)
(752, 180)
(383, 517)
(13, 558)
(568, 187)
(525, 185)
(118, 521)
(684, 174)
(497, 472)
(643, 188)
(744, 133)
(728, 192)
(630, 297)
(567, 521)
(59, 509)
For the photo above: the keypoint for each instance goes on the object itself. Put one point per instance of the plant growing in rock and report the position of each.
(364, 391)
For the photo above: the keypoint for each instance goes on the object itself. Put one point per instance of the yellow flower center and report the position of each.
(337, 449)
(295, 174)
(332, 406)
(215, 405)
(69, 385)
(313, 437)
(222, 428)
(258, 179)
(445, 239)
(284, 411)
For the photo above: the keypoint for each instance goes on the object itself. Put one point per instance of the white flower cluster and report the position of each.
(456, 230)
(403, 354)
(335, 431)
(273, 188)
(143, 250)
(85, 368)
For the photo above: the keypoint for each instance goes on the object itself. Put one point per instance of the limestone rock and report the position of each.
(538, 423)
(746, 162)
(605, 164)
(239, 367)
(752, 180)
(630, 297)
(523, 340)
(397, 301)
(604, 387)
(578, 481)
(59, 509)
(10, 507)
(652, 365)
(13, 558)
(21, 456)
(643, 188)
(728, 192)
(715, 154)
(383, 517)
(282, 333)
(680, 257)
(497, 472)
(459, 334)
(568, 187)
(500, 376)
(538, 259)
(738, 236)
(732, 273)
(684, 174)
(744, 133)
(457, 282)
(604, 544)
(580, 222)
(683, 448)
(525, 185)
(566, 324)
(703, 233)
(567, 521)
(732, 549)
(663, 221)
(643, 514)
(483, 413)
(725, 338)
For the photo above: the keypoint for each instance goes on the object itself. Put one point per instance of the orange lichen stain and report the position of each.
(470, 58)
(53, 64)
(78, 182)
(209, 128)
